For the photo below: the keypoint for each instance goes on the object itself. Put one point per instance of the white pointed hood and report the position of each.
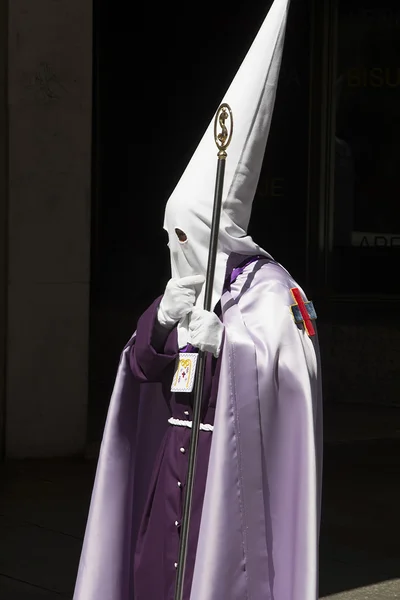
(251, 97)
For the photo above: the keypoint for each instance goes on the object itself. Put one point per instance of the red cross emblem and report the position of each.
(303, 312)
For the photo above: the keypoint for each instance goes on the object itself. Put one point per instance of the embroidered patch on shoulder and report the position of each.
(303, 312)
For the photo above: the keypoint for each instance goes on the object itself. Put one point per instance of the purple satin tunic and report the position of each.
(157, 547)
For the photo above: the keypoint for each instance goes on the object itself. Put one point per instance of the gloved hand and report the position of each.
(178, 300)
(206, 331)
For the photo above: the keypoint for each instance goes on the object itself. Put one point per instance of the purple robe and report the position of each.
(157, 546)
(259, 526)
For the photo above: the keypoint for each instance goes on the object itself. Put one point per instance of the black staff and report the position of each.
(222, 140)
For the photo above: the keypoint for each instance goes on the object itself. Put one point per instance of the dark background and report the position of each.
(161, 75)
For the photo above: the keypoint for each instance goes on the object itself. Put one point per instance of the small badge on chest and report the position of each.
(185, 370)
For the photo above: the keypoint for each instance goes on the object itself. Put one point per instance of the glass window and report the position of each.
(366, 216)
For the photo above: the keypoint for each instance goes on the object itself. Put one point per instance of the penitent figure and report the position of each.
(255, 514)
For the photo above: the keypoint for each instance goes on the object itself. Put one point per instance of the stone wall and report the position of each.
(50, 83)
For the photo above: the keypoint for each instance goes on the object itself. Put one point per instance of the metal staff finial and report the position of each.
(222, 140)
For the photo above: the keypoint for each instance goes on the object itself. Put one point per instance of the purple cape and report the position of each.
(260, 522)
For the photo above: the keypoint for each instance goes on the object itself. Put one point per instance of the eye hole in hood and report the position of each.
(182, 237)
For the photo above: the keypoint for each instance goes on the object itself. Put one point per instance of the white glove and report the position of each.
(178, 300)
(206, 331)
